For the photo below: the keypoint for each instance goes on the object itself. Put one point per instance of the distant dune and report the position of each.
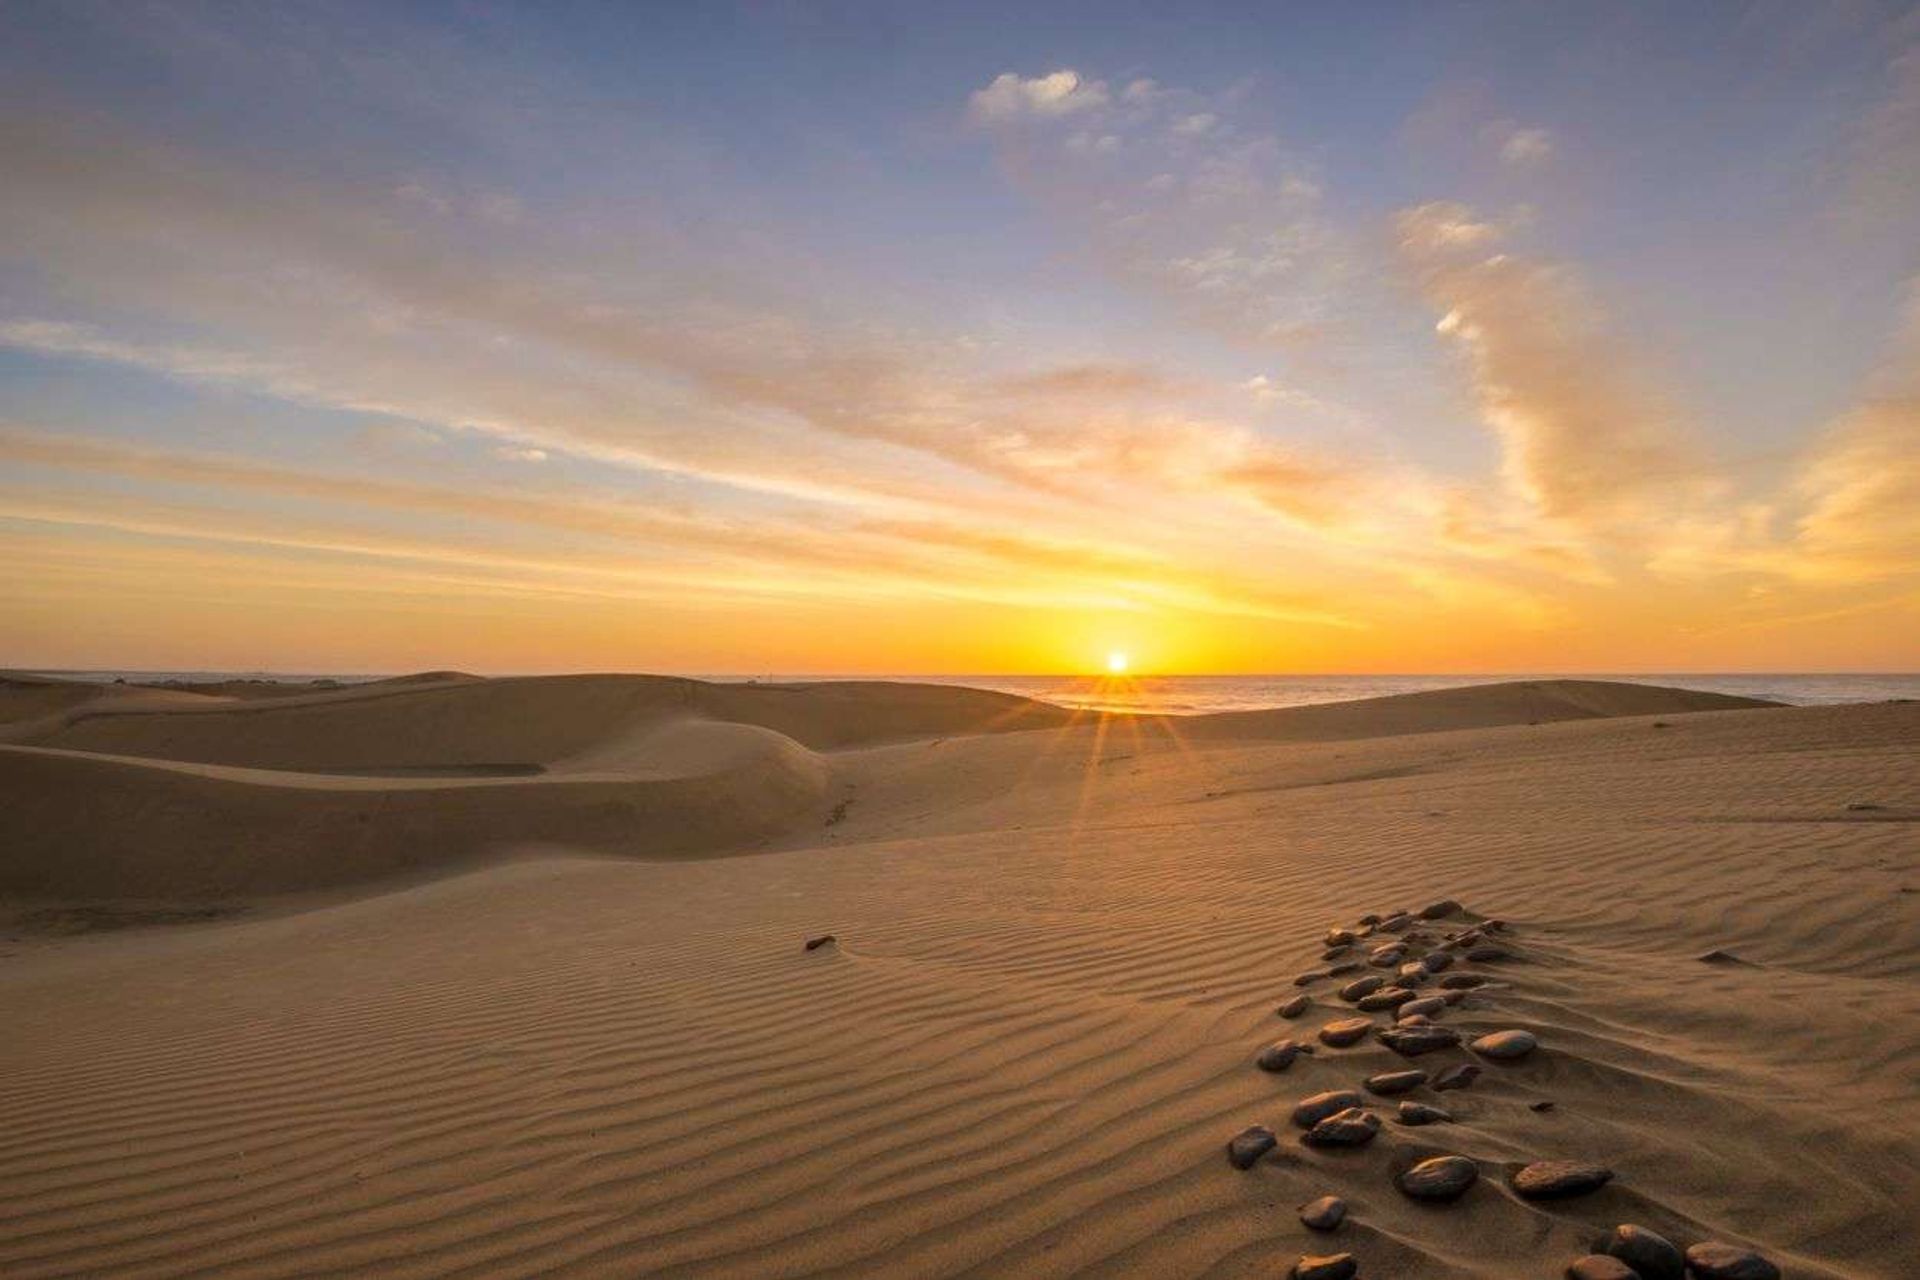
(507, 977)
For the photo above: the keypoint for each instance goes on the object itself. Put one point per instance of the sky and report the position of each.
(797, 337)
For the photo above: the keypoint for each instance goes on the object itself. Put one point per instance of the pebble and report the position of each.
(1388, 1083)
(1279, 1055)
(1439, 910)
(1488, 955)
(1712, 1260)
(1459, 1076)
(1350, 1128)
(1437, 961)
(1345, 1031)
(1340, 970)
(1413, 973)
(1413, 1020)
(1295, 1007)
(1386, 998)
(1370, 919)
(1332, 1266)
(1324, 1214)
(1441, 1178)
(1456, 996)
(1340, 938)
(1428, 1005)
(1387, 957)
(1598, 1266)
(1334, 953)
(825, 939)
(1411, 1042)
(1545, 1104)
(1396, 922)
(1308, 979)
(1651, 1254)
(1311, 1110)
(1505, 1046)
(1419, 1113)
(1245, 1148)
(1559, 1179)
(1494, 926)
(1462, 981)
(1362, 987)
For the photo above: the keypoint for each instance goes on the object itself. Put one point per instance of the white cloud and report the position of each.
(1058, 93)
(510, 453)
(1522, 147)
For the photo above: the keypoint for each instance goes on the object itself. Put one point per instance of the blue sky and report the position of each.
(1250, 337)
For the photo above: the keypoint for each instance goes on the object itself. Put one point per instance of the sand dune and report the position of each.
(1060, 951)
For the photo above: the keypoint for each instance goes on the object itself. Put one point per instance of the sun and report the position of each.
(1116, 663)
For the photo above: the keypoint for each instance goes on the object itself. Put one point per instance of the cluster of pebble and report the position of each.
(1395, 965)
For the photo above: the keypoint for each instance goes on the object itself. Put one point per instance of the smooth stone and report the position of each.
(1411, 1042)
(1412, 1020)
(1505, 1046)
(1494, 926)
(1598, 1266)
(824, 940)
(1419, 1113)
(1413, 973)
(1712, 1260)
(1345, 1031)
(1279, 1055)
(1388, 1083)
(1437, 961)
(1295, 1007)
(1386, 998)
(1350, 1128)
(1545, 1104)
(1370, 919)
(1462, 981)
(1439, 910)
(1334, 953)
(1360, 987)
(1441, 1178)
(1387, 953)
(1245, 1148)
(1308, 979)
(1459, 1076)
(1341, 970)
(1396, 922)
(1324, 1214)
(1559, 1179)
(1314, 1108)
(1488, 955)
(1457, 995)
(1648, 1252)
(1428, 1005)
(1332, 1266)
(1339, 938)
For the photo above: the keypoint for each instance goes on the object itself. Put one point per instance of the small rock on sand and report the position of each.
(1441, 1178)
(1279, 1055)
(1489, 954)
(1388, 1083)
(1505, 1046)
(1459, 1076)
(1350, 1128)
(1598, 1266)
(1462, 981)
(1396, 922)
(1308, 979)
(1414, 1114)
(1721, 957)
(1411, 1042)
(1545, 1104)
(1333, 1266)
(1385, 998)
(1334, 953)
(1437, 961)
(1649, 1253)
(1386, 957)
(1311, 1110)
(1439, 910)
(1295, 1007)
(1324, 1214)
(1345, 1031)
(824, 940)
(1341, 970)
(1245, 1148)
(1361, 987)
(1425, 1005)
(1712, 1260)
(1340, 938)
(1559, 1179)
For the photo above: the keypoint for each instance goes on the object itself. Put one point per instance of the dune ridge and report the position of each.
(1059, 951)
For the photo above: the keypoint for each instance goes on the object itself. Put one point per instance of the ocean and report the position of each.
(1198, 695)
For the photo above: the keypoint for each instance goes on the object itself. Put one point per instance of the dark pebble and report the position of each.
(1369, 919)
(1279, 1055)
(1459, 1076)
(1332, 1266)
(1245, 1148)
(1311, 1110)
(1340, 938)
(1295, 1007)
(1341, 970)
(1441, 1178)
(1651, 1254)
(1488, 955)
(1721, 957)
(1711, 1260)
(1334, 953)
(1505, 1046)
(1559, 1179)
(1350, 1128)
(1462, 981)
(1598, 1266)
(1345, 1031)
(1388, 1083)
(1411, 1042)
(1386, 998)
(1545, 1104)
(1308, 979)
(1437, 961)
(1396, 922)
(1427, 1005)
(1439, 910)
(1324, 1214)
(825, 939)
(1419, 1113)
(1362, 987)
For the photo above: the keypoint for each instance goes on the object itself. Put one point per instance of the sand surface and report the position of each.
(505, 977)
